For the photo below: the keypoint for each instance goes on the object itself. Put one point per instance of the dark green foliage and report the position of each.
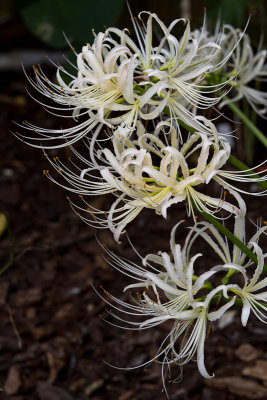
(231, 11)
(47, 19)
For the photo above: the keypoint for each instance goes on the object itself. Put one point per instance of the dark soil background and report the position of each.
(54, 345)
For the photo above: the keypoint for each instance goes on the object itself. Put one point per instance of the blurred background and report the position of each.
(52, 340)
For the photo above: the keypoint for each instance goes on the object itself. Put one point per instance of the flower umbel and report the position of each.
(152, 170)
(172, 292)
(117, 82)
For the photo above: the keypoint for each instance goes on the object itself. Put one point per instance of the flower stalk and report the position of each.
(262, 138)
(221, 228)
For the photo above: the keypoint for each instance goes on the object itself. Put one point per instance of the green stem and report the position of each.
(230, 236)
(248, 123)
(249, 140)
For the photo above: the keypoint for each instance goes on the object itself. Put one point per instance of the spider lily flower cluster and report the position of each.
(153, 171)
(173, 292)
(133, 81)
(248, 68)
(142, 134)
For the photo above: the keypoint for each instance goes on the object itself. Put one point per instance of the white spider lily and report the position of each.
(248, 67)
(220, 244)
(116, 84)
(176, 282)
(177, 67)
(100, 80)
(257, 302)
(235, 262)
(145, 173)
(103, 83)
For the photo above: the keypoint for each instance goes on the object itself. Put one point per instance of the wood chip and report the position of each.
(258, 370)
(247, 353)
(13, 381)
(29, 297)
(51, 392)
(93, 387)
(126, 395)
(246, 388)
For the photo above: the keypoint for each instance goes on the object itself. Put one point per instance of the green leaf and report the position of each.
(47, 19)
